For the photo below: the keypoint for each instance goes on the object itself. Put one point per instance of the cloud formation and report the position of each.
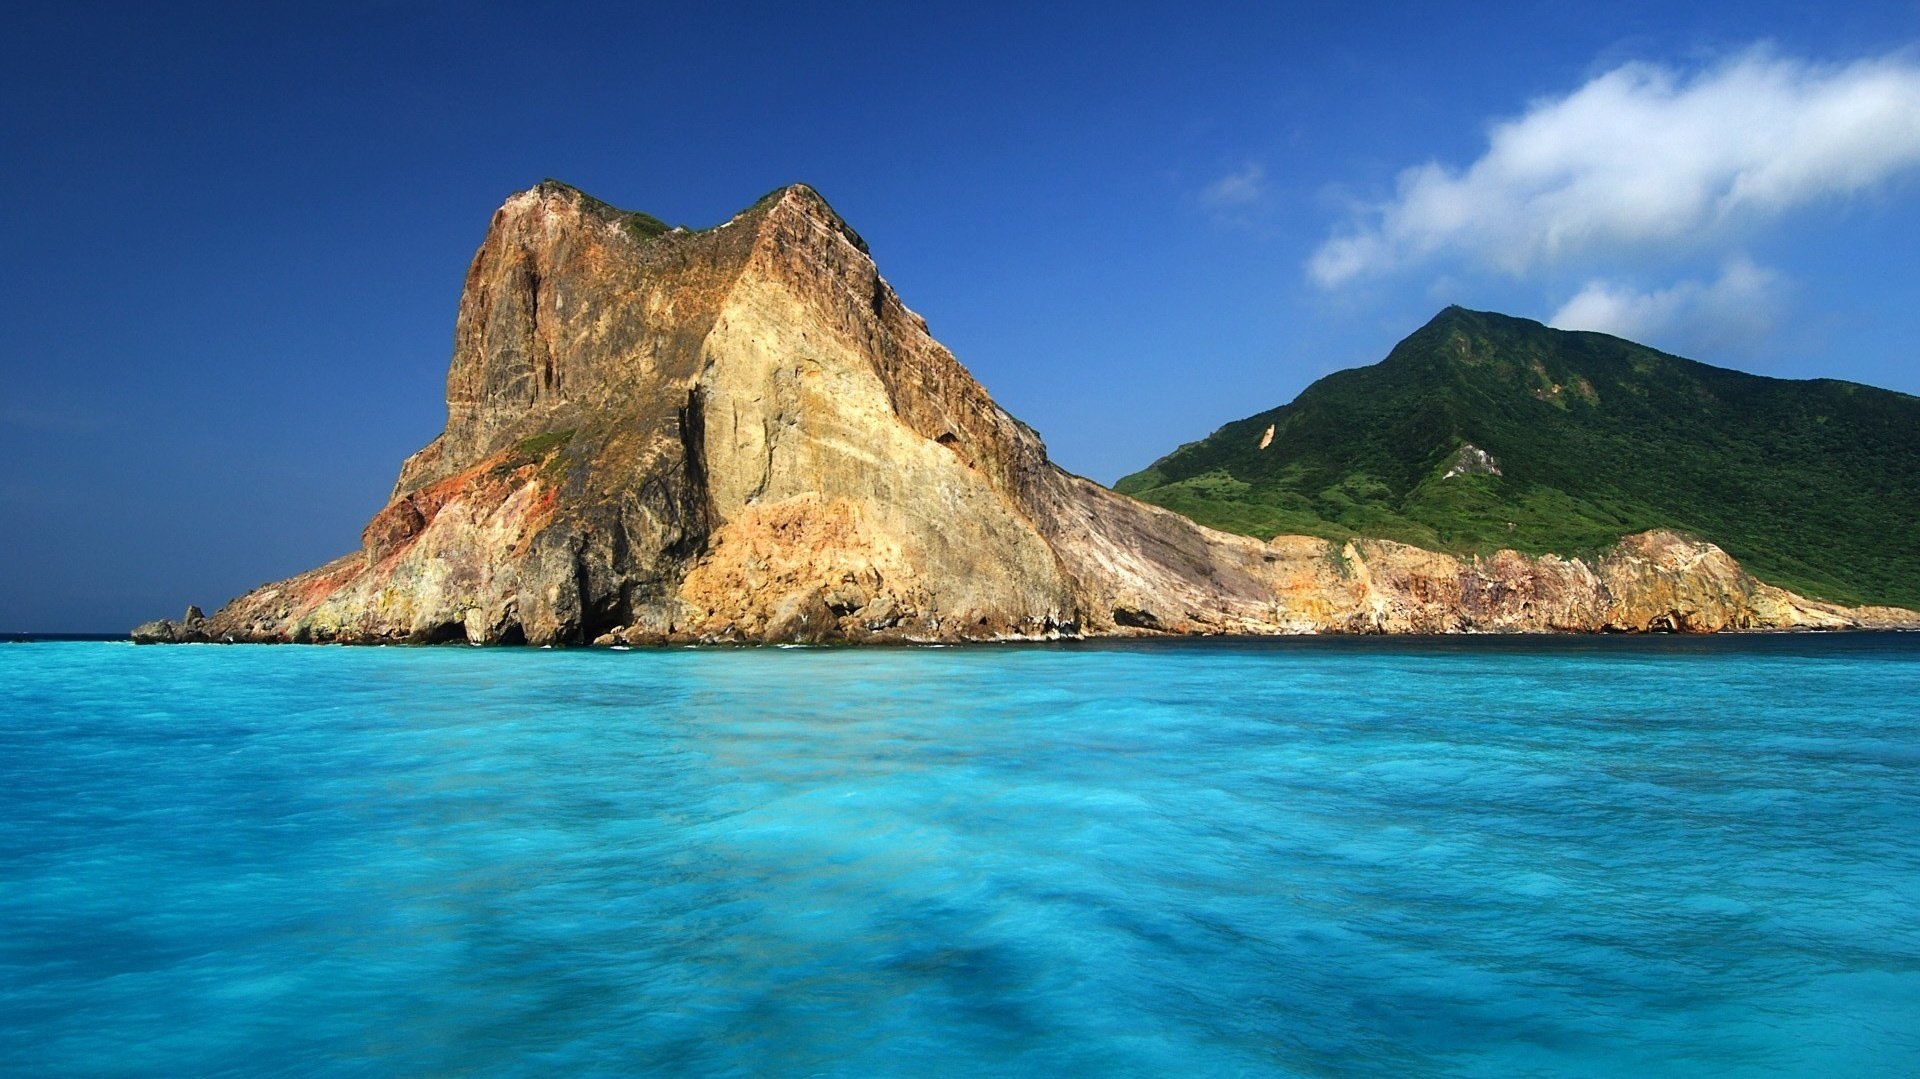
(1236, 189)
(1736, 308)
(1646, 158)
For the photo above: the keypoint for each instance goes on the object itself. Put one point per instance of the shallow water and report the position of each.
(1460, 857)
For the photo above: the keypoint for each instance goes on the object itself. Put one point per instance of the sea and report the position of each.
(1656, 856)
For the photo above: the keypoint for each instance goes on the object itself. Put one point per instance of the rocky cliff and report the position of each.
(742, 434)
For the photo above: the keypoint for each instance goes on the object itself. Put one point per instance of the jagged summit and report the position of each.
(795, 198)
(803, 199)
(740, 433)
(643, 225)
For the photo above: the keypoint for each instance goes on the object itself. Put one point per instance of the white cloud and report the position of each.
(1236, 189)
(1738, 308)
(1644, 158)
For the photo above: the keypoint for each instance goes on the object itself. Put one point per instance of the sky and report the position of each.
(235, 236)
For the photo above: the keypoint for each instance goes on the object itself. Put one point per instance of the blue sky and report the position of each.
(235, 237)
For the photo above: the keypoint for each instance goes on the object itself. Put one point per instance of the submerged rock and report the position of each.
(742, 434)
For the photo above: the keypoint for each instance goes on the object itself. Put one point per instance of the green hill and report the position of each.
(1813, 485)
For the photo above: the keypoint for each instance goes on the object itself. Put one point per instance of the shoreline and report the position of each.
(1144, 639)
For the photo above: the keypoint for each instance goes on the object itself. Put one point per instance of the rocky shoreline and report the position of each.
(741, 435)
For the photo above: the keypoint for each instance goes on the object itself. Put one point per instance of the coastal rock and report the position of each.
(158, 631)
(742, 434)
(193, 628)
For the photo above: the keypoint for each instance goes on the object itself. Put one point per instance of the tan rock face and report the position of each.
(742, 434)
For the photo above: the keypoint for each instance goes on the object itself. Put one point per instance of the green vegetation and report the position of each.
(1814, 485)
(536, 446)
(638, 225)
(548, 448)
(643, 226)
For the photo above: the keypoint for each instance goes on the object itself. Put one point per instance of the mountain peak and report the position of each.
(1455, 317)
(794, 198)
(640, 225)
(803, 200)
(1814, 485)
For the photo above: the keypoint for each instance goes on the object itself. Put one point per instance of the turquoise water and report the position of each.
(1469, 857)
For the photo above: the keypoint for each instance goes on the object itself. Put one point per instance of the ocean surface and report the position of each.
(1484, 857)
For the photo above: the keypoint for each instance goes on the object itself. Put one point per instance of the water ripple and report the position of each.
(1295, 858)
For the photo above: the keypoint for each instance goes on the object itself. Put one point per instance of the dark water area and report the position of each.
(1332, 856)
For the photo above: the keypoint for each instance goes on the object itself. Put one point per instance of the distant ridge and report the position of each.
(1482, 431)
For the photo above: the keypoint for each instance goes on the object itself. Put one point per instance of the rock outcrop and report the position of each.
(742, 434)
(191, 629)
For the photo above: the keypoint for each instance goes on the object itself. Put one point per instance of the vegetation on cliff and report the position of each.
(1481, 431)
